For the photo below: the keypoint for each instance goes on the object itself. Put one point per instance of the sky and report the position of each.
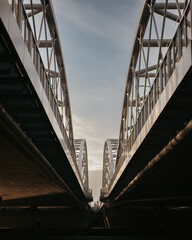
(96, 38)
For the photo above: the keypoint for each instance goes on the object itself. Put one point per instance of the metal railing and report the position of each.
(29, 39)
(109, 159)
(174, 53)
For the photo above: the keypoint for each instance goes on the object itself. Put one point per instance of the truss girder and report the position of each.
(158, 45)
(109, 160)
(38, 26)
(82, 160)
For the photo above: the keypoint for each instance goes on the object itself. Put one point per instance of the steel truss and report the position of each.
(109, 161)
(156, 50)
(82, 161)
(38, 27)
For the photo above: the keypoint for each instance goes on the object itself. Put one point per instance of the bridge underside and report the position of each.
(166, 181)
(171, 179)
(157, 196)
(26, 178)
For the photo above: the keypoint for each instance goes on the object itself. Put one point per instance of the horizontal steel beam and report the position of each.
(143, 70)
(154, 43)
(169, 5)
(35, 6)
(149, 75)
(169, 15)
(44, 43)
(53, 73)
(33, 13)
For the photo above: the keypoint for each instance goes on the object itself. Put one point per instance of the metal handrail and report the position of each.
(166, 68)
(29, 39)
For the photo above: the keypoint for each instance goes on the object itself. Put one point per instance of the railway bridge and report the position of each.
(146, 181)
(148, 184)
(42, 166)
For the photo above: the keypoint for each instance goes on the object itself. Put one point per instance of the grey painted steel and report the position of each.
(169, 5)
(137, 89)
(34, 68)
(154, 43)
(109, 161)
(82, 161)
(182, 67)
(149, 87)
(52, 56)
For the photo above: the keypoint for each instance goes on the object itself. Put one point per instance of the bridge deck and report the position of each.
(31, 105)
(171, 112)
(25, 173)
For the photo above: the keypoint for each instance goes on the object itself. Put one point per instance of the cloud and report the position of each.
(84, 127)
(95, 182)
(96, 37)
(97, 22)
(96, 117)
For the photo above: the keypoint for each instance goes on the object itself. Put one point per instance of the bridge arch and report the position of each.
(109, 161)
(158, 78)
(82, 160)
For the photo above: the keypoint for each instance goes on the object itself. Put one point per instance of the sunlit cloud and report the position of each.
(84, 127)
(96, 38)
